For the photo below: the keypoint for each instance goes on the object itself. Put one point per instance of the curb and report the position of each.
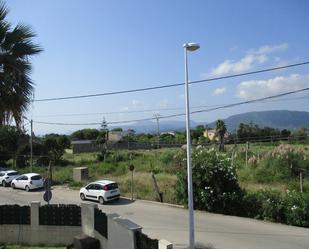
(154, 202)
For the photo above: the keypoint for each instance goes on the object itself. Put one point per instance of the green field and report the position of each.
(163, 164)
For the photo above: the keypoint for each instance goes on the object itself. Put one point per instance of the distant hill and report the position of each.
(282, 119)
(290, 120)
(151, 126)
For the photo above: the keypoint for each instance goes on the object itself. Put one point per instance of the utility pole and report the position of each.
(157, 116)
(31, 145)
(247, 148)
(105, 130)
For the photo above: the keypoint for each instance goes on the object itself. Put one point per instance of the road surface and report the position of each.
(163, 221)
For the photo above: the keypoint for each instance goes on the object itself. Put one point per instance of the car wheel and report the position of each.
(4, 183)
(82, 196)
(27, 188)
(13, 186)
(101, 200)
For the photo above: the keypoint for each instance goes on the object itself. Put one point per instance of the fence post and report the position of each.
(34, 214)
(121, 232)
(164, 244)
(301, 181)
(87, 213)
(247, 147)
(159, 194)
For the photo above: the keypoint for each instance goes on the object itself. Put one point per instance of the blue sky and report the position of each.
(103, 46)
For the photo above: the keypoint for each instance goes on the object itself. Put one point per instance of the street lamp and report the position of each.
(189, 47)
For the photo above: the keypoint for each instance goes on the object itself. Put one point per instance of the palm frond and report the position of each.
(16, 86)
(3, 11)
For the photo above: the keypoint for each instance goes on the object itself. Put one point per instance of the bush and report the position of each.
(282, 163)
(272, 169)
(115, 156)
(215, 184)
(167, 157)
(291, 208)
(297, 209)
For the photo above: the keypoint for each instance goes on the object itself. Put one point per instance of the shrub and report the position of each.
(290, 157)
(282, 163)
(272, 169)
(215, 184)
(291, 208)
(297, 209)
(167, 157)
(62, 176)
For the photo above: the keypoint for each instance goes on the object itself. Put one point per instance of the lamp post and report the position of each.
(189, 47)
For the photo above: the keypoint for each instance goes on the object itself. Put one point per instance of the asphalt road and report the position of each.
(163, 221)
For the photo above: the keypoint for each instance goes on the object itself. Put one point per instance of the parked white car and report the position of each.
(102, 191)
(28, 182)
(6, 177)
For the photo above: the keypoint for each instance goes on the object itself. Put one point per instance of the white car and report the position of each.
(28, 182)
(6, 177)
(102, 191)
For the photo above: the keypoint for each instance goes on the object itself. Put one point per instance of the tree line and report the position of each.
(15, 143)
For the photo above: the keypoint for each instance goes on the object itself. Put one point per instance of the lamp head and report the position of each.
(191, 46)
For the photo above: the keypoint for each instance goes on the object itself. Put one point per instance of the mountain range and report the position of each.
(281, 119)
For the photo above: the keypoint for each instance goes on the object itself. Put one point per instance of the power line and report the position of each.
(121, 112)
(182, 114)
(153, 110)
(172, 85)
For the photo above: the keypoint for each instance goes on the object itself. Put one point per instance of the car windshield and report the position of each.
(12, 173)
(37, 177)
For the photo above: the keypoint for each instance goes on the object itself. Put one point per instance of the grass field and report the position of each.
(163, 164)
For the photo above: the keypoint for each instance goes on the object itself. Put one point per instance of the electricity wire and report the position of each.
(182, 114)
(172, 85)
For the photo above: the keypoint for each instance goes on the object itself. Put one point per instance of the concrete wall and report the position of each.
(36, 234)
(120, 232)
(88, 224)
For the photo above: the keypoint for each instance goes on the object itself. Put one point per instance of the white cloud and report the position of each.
(136, 103)
(252, 58)
(125, 109)
(219, 91)
(267, 49)
(253, 89)
(242, 65)
(163, 103)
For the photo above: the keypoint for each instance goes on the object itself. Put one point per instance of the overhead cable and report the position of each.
(172, 85)
(182, 114)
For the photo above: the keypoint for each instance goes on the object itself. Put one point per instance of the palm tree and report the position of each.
(221, 130)
(16, 86)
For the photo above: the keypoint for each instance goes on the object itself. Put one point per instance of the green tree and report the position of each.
(197, 132)
(180, 138)
(11, 139)
(221, 130)
(300, 134)
(167, 138)
(55, 146)
(88, 134)
(130, 136)
(16, 48)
